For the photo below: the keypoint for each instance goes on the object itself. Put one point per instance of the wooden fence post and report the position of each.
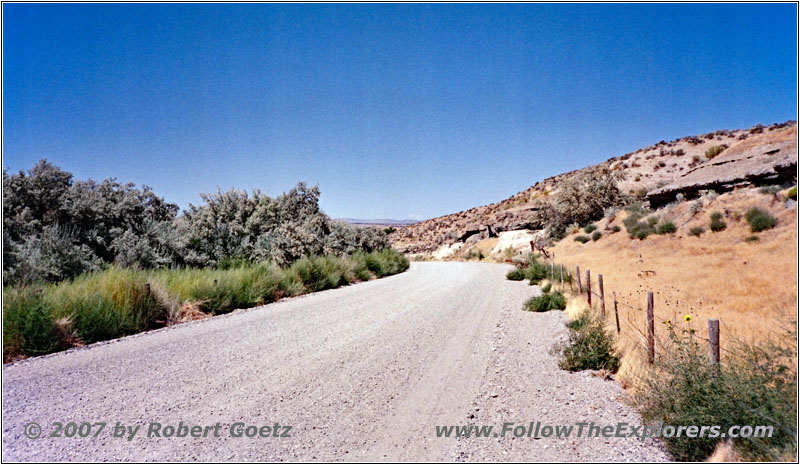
(616, 312)
(602, 296)
(589, 287)
(713, 344)
(578, 274)
(651, 338)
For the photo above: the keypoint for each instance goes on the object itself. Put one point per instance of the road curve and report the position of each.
(361, 373)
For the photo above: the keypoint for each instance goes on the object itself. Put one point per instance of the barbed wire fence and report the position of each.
(645, 338)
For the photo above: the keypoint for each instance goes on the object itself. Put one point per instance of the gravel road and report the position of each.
(361, 373)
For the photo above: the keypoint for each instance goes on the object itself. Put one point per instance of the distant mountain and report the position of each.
(378, 222)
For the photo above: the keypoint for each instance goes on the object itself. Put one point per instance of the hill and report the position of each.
(643, 171)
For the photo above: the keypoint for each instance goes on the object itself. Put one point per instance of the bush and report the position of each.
(667, 227)
(755, 386)
(589, 346)
(581, 239)
(714, 151)
(615, 228)
(636, 227)
(697, 231)
(717, 224)
(547, 288)
(581, 198)
(760, 220)
(517, 274)
(792, 193)
(752, 238)
(769, 190)
(589, 228)
(546, 302)
(597, 235)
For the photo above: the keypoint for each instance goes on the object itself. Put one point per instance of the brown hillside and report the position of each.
(644, 170)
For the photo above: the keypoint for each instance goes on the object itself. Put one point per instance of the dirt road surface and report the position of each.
(361, 373)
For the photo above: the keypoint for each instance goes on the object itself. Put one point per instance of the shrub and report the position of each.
(769, 190)
(760, 220)
(755, 386)
(589, 346)
(717, 224)
(589, 228)
(752, 238)
(636, 227)
(517, 274)
(667, 227)
(581, 239)
(615, 228)
(697, 231)
(714, 151)
(546, 302)
(581, 198)
(597, 235)
(547, 288)
(792, 194)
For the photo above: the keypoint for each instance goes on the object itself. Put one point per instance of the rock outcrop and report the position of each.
(764, 159)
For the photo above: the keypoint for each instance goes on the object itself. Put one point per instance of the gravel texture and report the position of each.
(362, 373)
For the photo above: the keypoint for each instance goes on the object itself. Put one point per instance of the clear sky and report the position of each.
(396, 111)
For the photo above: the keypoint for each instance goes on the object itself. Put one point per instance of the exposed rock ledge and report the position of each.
(765, 159)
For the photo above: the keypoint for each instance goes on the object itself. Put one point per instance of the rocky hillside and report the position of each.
(645, 170)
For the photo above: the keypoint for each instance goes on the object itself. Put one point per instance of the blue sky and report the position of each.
(394, 110)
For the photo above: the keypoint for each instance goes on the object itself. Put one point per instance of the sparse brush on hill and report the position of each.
(581, 239)
(760, 220)
(714, 151)
(697, 231)
(717, 224)
(116, 302)
(597, 235)
(756, 385)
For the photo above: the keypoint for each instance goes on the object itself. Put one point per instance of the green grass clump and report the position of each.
(597, 235)
(615, 228)
(717, 224)
(547, 288)
(666, 227)
(589, 346)
(581, 239)
(697, 231)
(116, 302)
(755, 385)
(769, 190)
(760, 220)
(792, 193)
(546, 302)
(27, 325)
(589, 228)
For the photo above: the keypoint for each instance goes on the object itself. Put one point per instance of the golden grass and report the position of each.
(750, 286)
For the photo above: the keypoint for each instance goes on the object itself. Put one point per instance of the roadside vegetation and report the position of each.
(590, 346)
(115, 302)
(87, 261)
(755, 385)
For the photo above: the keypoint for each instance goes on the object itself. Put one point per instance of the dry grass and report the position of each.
(749, 286)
